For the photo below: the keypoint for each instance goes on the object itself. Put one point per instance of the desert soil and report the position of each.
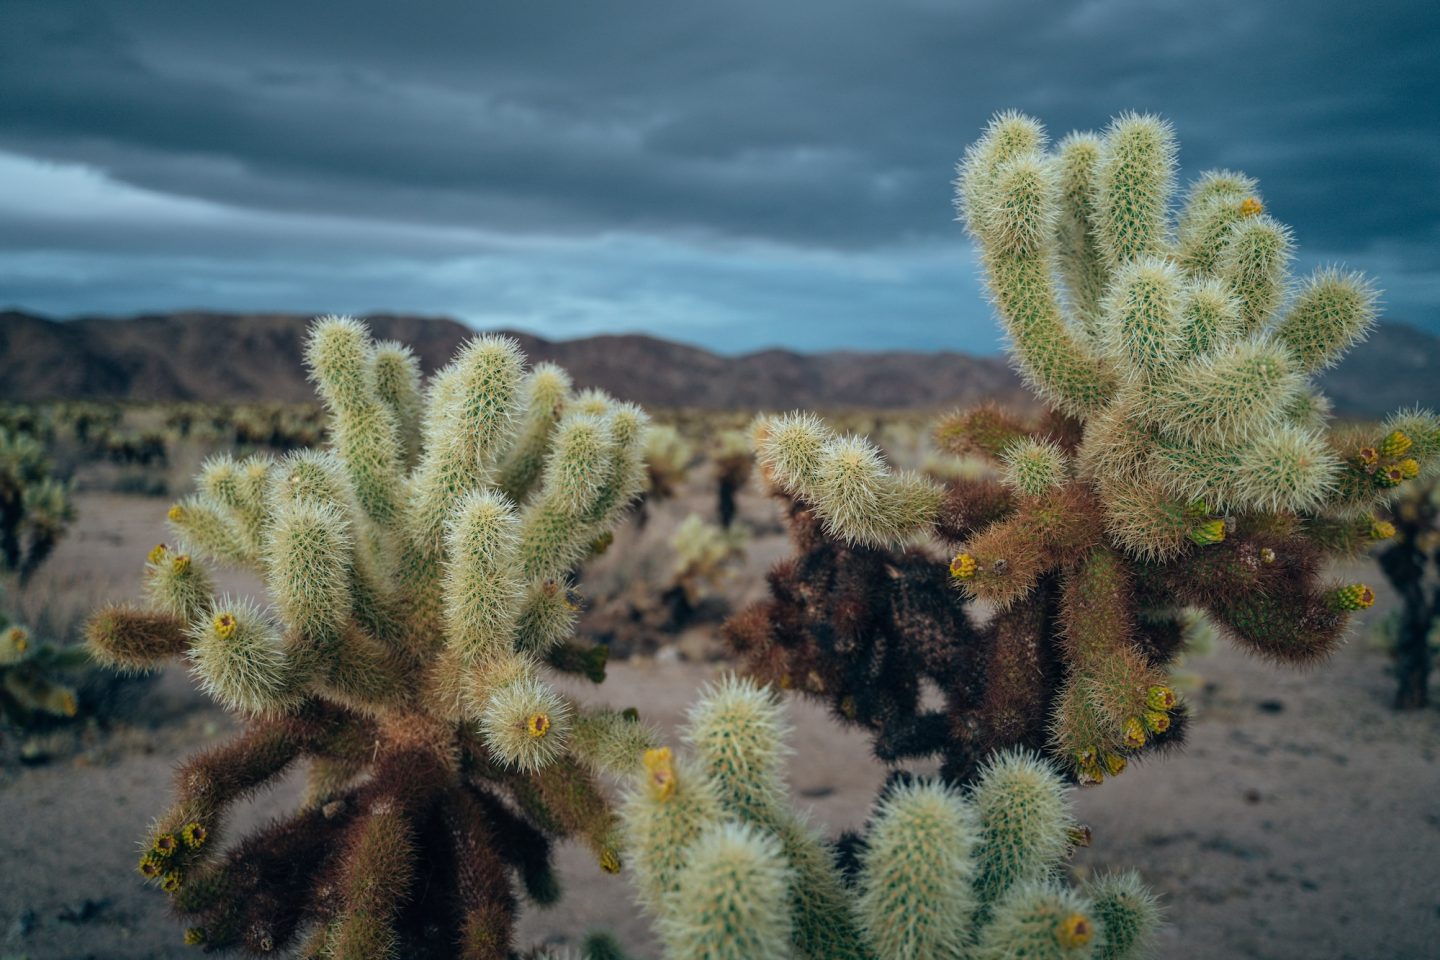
(1302, 820)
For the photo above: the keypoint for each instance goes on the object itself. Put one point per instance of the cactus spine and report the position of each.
(417, 573)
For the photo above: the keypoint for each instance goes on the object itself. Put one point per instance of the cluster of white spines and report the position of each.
(443, 524)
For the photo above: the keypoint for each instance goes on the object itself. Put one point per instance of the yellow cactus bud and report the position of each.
(1381, 530)
(150, 866)
(1079, 835)
(660, 767)
(1135, 733)
(157, 553)
(1251, 207)
(1356, 596)
(1409, 468)
(1075, 930)
(1160, 698)
(194, 835)
(194, 936)
(963, 567)
(225, 625)
(538, 725)
(1086, 757)
(181, 563)
(170, 882)
(1395, 444)
(610, 860)
(165, 845)
(1157, 722)
(1368, 456)
(1207, 533)
(176, 513)
(1114, 764)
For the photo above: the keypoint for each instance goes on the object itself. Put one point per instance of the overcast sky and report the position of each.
(736, 174)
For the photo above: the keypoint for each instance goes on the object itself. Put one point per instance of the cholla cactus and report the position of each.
(733, 464)
(34, 504)
(1409, 557)
(730, 871)
(411, 610)
(1185, 462)
(28, 682)
(704, 554)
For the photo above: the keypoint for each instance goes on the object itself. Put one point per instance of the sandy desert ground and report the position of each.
(1302, 821)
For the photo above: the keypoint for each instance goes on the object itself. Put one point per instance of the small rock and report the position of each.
(1271, 706)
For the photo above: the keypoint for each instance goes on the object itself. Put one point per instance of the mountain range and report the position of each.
(236, 358)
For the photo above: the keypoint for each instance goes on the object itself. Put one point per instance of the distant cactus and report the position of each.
(667, 460)
(704, 555)
(1186, 461)
(728, 870)
(34, 504)
(1410, 557)
(30, 684)
(411, 611)
(733, 461)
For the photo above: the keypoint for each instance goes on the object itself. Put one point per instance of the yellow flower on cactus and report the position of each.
(1381, 530)
(1409, 468)
(963, 567)
(157, 553)
(1356, 596)
(538, 724)
(1075, 930)
(1160, 698)
(660, 767)
(175, 513)
(1157, 722)
(225, 624)
(1251, 207)
(1207, 533)
(1134, 733)
(1395, 444)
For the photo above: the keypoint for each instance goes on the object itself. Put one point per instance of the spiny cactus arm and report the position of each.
(376, 872)
(124, 638)
(731, 899)
(1082, 263)
(308, 567)
(1286, 469)
(1035, 468)
(363, 429)
(578, 659)
(483, 589)
(1134, 178)
(553, 534)
(257, 895)
(625, 473)
(1128, 914)
(1003, 562)
(204, 527)
(1024, 822)
(574, 802)
(1256, 264)
(545, 389)
(177, 584)
(1009, 197)
(1262, 590)
(242, 661)
(916, 896)
(1040, 919)
(670, 803)
(1213, 203)
(242, 490)
(611, 741)
(846, 481)
(1332, 312)
(1228, 395)
(971, 505)
(520, 844)
(357, 669)
(987, 430)
(482, 886)
(739, 734)
(1144, 334)
(523, 720)
(395, 371)
(547, 617)
(27, 690)
(1115, 699)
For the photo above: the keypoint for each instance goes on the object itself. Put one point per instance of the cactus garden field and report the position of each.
(470, 659)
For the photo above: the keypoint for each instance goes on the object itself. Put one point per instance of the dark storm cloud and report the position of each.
(814, 126)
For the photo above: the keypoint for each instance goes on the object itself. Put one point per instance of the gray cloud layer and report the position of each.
(735, 173)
